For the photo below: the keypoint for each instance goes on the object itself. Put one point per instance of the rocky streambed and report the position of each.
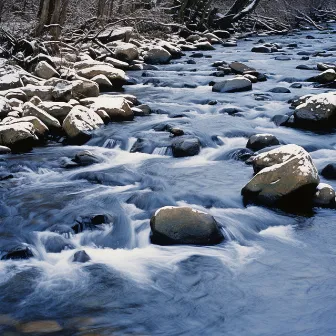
(201, 199)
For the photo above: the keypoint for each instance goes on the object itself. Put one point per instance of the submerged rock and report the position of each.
(18, 253)
(286, 176)
(86, 158)
(260, 141)
(183, 225)
(81, 257)
(317, 111)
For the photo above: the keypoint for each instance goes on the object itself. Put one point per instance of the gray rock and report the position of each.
(280, 89)
(183, 225)
(324, 196)
(329, 171)
(157, 55)
(45, 70)
(126, 52)
(237, 84)
(286, 176)
(259, 141)
(86, 158)
(182, 147)
(324, 77)
(81, 257)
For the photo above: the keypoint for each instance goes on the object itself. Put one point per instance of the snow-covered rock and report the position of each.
(79, 124)
(286, 176)
(116, 76)
(116, 107)
(58, 110)
(324, 196)
(317, 111)
(324, 77)
(30, 109)
(157, 55)
(45, 70)
(10, 81)
(19, 136)
(40, 129)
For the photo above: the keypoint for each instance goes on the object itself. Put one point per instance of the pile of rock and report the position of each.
(287, 177)
(244, 77)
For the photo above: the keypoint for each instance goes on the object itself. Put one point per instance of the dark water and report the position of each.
(274, 275)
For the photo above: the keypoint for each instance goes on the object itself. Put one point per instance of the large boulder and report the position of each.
(19, 136)
(45, 70)
(286, 176)
(84, 88)
(182, 147)
(237, 84)
(79, 124)
(116, 107)
(324, 77)
(43, 92)
(126, 52)
(317, 111)
(183, 225)
(58, 110)
(259, 141)
(40, 129)
(10, 81)
(117, 76)
(30, 109)
(157, 55)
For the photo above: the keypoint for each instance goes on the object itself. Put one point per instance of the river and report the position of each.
(275, 273)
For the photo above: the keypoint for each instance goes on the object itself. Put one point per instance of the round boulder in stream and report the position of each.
(182, 147)
(237, 84)
(260, 141)
(286, 177)
(183, 225)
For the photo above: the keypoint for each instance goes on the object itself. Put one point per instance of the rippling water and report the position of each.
(273, 275)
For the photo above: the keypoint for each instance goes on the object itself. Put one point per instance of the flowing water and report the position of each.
(275, 274)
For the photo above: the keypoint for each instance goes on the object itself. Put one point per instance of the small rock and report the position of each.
(237, 84)
(260, 141)
(86, 158)
(329, 171)
(81, 257)
(182, 147)
(280, 89)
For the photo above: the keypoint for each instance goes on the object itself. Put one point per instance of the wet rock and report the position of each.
(296, 86)
(116, 107)
(230, 110)
(174, 51)
(223, 34)
(280, 120)
(143, 146)
(260, 141)
(324, 77)
(157, 55)
(81, 257)
(183, 225)
(280, 89)
(86, 158)
(63, 230)
(262, 49)
(79, 124)
(240, 68)
(45, 70)
(91, 222)
(324, 196)
(286, 176)
(317, 111)
(126, 52)
(40, 327)
(326, 66)
(329, 171)
(176, 131)
(242, 154)
(5, 176)
(237, 84)
(31, 110)
(18, 253)
(197, 55)
(182, 147)
(54, 243)
(204, 46)
(18, 137)
(4, 150)
(304, 67)
(282, 58)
